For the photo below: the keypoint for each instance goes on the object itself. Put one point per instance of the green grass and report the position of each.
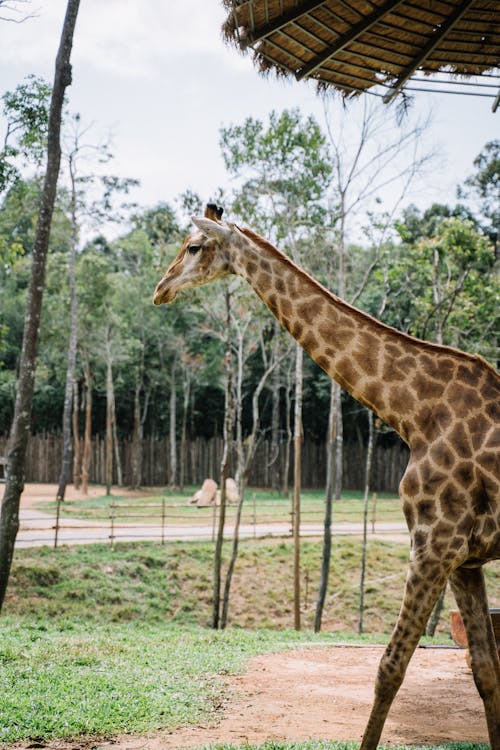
(154, 583)
(263, 505)
(68, 680)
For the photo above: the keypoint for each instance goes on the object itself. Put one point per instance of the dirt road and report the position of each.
(37, 527)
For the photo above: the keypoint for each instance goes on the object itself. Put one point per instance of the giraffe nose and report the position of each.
(163, 294)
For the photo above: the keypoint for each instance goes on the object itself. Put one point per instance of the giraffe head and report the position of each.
(203, 257)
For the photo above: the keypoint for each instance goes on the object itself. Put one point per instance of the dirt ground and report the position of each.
(35, 493)
(325, 693)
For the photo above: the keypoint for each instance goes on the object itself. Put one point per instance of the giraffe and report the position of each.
(443, 402)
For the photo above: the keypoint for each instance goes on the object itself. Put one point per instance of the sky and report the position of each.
(157, 76)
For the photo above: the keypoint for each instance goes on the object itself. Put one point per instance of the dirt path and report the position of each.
(325, 693)
(37, 525)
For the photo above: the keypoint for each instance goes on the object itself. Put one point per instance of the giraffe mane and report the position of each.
(258, 240)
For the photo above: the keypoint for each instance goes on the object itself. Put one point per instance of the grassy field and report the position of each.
(156, 583)
(98, 642)
(261, 506)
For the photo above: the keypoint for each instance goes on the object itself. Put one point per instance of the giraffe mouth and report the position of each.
(163, 296)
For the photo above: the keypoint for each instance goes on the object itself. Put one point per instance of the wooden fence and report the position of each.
(202, 459)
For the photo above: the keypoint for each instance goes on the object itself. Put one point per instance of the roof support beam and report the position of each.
(280, 21)
(424, 53)
(350, 36)
(496, 102)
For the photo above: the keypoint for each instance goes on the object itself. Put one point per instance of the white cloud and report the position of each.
(122, 39)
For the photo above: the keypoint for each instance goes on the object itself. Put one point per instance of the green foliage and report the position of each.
(25, 110)
(444, 287)
(284, 169)
(485, 184)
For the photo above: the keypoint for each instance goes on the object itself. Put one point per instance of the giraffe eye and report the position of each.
(193, 249)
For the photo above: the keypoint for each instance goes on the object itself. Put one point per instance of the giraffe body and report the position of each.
(443, 402)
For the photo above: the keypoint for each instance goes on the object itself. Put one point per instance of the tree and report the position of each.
(485, 185)
(16, 453)
(444, 288)
(365, 164)
(26, 112)
(248, 333)
(284, 171)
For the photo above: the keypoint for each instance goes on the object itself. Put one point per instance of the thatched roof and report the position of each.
(376, 46)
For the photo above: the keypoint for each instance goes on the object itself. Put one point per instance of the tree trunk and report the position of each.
(185, 407)
(436, 614)
(327, 532)
(276, 483)
(73, 322)
(116, 446)
(137, 438)
(21, 424)
(341, 283)
(288, 441)
(339, 447)
(234, 551)
(77, 457)
(109, 421)
(297, 481)
(224, 469)
(245, 458)
(368, 472)
(172, 478)
(87, 435)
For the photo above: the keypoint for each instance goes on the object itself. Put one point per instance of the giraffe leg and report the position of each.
(423, 586)
(470, 594)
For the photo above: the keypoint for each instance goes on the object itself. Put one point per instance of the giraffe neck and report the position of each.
(373, 362)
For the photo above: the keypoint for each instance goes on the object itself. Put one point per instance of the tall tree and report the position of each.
(18, 439)
(365, 164)
(284, 171)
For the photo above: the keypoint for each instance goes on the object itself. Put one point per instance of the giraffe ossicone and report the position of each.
(444, 403)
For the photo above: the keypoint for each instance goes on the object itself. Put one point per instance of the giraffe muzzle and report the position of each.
(163, 295)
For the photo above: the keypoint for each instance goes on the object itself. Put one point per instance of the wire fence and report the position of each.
(165, 521)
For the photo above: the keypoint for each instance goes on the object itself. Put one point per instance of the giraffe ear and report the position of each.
(212, 229)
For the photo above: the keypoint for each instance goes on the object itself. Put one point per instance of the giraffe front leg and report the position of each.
(423, 586)
(470, 594)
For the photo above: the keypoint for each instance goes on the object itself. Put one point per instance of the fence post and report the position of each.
(163, 520)
(214, 521)
(112, 524)
(374, 511)
(56, 527)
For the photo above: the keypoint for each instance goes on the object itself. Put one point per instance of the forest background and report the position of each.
(143, 375)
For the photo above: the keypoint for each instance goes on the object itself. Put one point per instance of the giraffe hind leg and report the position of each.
(424, 583)
(470, 594)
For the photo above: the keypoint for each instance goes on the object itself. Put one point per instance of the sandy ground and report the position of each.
(325, 693)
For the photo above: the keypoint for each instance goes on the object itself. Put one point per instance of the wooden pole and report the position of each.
(297, 479)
